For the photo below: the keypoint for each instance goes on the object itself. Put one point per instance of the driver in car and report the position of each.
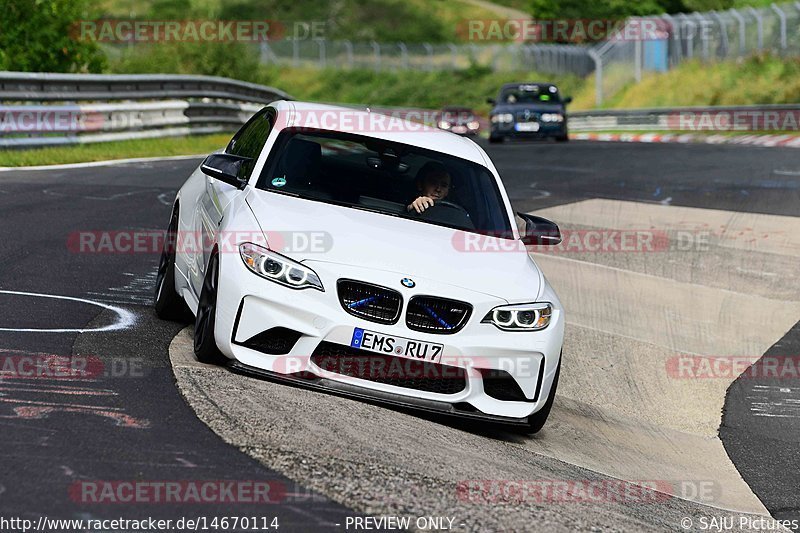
(433, 183)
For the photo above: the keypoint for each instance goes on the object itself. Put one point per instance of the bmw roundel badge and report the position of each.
(408, 282)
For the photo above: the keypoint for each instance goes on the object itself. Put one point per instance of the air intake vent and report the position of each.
(390, 370)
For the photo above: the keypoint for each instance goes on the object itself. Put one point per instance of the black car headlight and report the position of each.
(277, 268)
(520, 317)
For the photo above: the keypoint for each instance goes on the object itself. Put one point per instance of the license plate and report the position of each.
(397, 346)
(526, 126)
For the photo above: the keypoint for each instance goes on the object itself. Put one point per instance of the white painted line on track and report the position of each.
(125, 319)
(109, 162)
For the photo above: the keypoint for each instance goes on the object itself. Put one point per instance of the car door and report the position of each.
(214, 201)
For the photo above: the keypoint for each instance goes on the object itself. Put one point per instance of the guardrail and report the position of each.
(690, 119)
(42, 109)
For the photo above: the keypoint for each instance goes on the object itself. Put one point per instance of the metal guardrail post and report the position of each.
(348, 48)
(723, 28)
(782, 16)
(403, 55)
(759, 28)
(598, 77)
(453, 55)
(323, 59)
(689, 35)
(742, 31)
(429, 49)
(673, 52)
(376, 49)
(703, 24)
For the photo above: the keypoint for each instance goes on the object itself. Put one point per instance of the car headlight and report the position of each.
(520, 317)
(502, 117)
(278, 268)
(444, 125)
(552, 117)
(473, 125)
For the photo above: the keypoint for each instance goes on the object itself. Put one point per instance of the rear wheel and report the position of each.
(536, 420)
(167, 303)
(205, 346)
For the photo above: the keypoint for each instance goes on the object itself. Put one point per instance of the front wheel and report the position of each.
(205, 346)
(167, 303)
(536, 420)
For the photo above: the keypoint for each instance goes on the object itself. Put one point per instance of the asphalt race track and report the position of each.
(724, 285)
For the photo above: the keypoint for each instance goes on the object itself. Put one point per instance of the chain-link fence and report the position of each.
(710, 36)
(665, 42)
(544, 58)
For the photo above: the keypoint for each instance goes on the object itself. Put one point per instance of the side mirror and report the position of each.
(491, 101)
(225, 168)
(567, 100)
(539, 230)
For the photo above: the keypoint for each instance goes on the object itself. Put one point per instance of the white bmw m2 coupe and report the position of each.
(367, 256)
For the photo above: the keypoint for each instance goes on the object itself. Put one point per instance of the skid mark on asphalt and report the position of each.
(34, 386)
(775, 401)
(137, 291)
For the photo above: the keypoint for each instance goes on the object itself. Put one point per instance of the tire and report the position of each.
(495, 140)
(168, 305)
(205, 347)
(562, 138)
(536, 420)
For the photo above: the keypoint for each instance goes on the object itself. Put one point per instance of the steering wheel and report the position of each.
(451, 205)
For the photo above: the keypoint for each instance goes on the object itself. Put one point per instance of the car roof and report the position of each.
(387, 128)
(541, 84)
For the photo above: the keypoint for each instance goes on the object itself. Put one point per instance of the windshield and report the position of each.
(385, 177)
(529, 94)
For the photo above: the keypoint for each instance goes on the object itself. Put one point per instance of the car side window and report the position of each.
(250, 139)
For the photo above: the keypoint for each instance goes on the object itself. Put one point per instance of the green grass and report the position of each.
(763, 79)
(200, 144)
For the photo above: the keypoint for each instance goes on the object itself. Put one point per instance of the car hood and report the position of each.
(382, 242)
(533, 108)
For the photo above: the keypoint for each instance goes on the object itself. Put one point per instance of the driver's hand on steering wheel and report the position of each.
(421, 204)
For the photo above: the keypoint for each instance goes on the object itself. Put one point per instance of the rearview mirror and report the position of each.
(225, 168)
(491, 101)
(539, 230)
(567, 100)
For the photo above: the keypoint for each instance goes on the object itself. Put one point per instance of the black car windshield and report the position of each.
(385, 177)
(529, 94)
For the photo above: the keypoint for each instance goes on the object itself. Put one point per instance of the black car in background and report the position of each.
(460, 120)
(528, 110)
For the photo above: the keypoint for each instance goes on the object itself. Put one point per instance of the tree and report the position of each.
(40, 36)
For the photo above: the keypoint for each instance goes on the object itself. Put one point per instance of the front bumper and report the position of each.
(249, 305)
(546, 130)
